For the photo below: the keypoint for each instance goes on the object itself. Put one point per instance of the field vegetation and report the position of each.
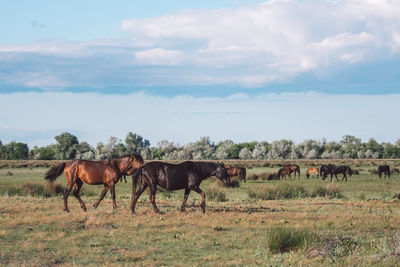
(261, 222)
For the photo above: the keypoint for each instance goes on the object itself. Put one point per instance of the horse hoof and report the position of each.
(84, 209)
(182, 210)
(66, 210)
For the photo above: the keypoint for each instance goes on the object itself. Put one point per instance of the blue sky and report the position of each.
(247, 63)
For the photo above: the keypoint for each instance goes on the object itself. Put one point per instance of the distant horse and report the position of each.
(187, 175)
(94, 173)
(284, 172)
(295, 168)
(384, 169)
(236, 171)
(312, 171)
(335, 170)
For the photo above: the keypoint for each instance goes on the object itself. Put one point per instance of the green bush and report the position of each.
(34, 189)
(216, 193)
(329, 190)
(281, 191)
(281, 239)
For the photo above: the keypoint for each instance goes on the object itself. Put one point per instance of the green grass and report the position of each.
(361, 228)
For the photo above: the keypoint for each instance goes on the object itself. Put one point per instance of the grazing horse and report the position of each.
(236, 171)
(294, 168)
(187, 175)
(335, 170)
(284, 172)
(94, 172)
(384, 169)
(312, 171)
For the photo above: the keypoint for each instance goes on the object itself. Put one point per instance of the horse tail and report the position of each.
(54, 172)
(244, 174)
(298, 169)
(135, 179)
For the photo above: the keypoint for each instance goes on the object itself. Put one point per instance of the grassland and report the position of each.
(359, 227)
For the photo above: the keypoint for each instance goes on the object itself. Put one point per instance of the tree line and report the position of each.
(68, 147)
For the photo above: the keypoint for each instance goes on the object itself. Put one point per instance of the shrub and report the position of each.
(235, 182)
(263, 176)
(282, 191)
(282, 239)
(329, 190)
(216, 193)
(35, 190)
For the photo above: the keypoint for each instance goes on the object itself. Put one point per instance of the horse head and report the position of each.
(222, 174)
(135, 161)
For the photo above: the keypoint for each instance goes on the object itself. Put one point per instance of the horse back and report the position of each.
(96, 172)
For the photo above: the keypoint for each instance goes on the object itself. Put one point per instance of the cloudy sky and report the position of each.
(178, 70)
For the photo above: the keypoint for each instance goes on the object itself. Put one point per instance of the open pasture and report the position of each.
(358, 226)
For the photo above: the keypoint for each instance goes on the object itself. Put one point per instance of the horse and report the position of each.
(236, 171)
(284, 172)
(384, 169)
(312, 171)
(295, 168)
(187, 175)
(94, 172)
(335, 170)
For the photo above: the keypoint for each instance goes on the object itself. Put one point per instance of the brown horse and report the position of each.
(312, 171)
(236, 171)
(295, 168)
(105, 172)
(284, 172)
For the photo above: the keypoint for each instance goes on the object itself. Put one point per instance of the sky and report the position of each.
(178, 70)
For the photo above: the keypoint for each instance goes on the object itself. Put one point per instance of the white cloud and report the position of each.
(159, 56)
(251, 45)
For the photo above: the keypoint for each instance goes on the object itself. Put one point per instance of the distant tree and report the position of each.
(223, 148)
(67, 146)
(245, 153)
(259, 152)
(350, 146)
(45, 153)
(1, 149)
(134, 143)
(15, 150)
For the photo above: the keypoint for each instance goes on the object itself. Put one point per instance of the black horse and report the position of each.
(187, 175)
(383, 169)
(335, 170)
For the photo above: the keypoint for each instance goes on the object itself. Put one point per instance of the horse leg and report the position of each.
(152, 198)
(185, 197)
(203, 198)
(78, 186)
(143, 186)
(66, 193)
(112, 188)
(102, 195)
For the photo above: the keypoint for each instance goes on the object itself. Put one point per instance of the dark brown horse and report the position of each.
(94, 172)
(187, 175)
(284, 172)
(295, 168)
(236, 171)
(383, 169)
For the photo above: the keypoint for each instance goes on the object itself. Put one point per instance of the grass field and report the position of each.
(358, 226)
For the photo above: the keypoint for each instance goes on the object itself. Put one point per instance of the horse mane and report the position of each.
(136, 155)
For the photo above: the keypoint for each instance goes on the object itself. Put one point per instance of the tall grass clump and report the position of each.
(34, 189)
(329, 190)
(281, 191)
(283, 239)
(216, 193)
(264, 176)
